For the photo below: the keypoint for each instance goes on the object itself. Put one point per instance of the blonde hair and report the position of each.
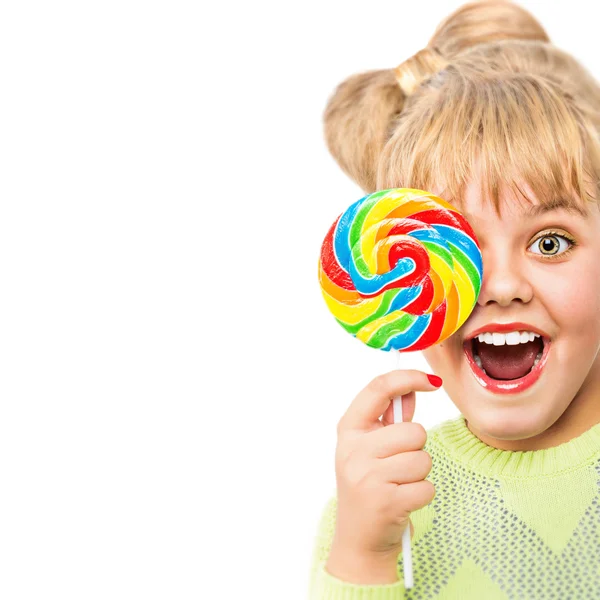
(489, 93)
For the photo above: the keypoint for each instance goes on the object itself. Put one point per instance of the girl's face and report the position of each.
(548, 283)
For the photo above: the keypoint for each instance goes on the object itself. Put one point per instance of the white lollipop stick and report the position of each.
(406, 551)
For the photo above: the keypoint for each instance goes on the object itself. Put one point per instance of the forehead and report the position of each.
(475, 205)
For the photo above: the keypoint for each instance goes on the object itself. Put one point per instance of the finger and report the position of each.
(408, 410)
(413, 496)
(370, 404)
(393, 439)
(406, 467)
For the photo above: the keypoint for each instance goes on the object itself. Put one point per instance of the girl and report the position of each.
(502, 502)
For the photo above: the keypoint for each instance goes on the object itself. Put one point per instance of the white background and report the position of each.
(171, 379)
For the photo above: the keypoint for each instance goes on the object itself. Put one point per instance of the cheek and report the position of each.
(438, 356)
(573, 300)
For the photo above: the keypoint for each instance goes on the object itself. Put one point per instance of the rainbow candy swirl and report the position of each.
(401, 269)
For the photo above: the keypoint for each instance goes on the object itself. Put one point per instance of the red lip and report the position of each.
(505, 328)
(512, 386)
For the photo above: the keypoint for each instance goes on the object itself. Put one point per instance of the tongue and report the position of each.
(508, 362)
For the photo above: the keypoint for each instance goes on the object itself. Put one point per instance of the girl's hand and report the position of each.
(380, 472)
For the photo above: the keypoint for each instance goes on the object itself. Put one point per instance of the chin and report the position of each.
(502, 429)
(506, 425)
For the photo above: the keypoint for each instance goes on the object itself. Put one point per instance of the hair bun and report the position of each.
(412, 72)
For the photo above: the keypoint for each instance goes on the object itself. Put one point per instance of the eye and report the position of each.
(552, 244)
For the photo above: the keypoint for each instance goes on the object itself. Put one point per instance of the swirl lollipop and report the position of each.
(401, 269)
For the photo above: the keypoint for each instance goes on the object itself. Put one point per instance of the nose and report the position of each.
(504, 279)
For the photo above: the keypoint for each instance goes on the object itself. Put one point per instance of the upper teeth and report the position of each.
(511, 339)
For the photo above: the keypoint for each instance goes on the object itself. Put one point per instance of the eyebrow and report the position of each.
(559, 203)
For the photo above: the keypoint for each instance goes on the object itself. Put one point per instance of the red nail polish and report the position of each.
(435, 380)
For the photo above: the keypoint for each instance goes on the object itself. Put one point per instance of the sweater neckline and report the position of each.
(466, 448)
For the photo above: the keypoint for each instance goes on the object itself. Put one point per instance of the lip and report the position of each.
(512, 386)
(507, 327)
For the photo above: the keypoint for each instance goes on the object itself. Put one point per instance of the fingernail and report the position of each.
(435, 380)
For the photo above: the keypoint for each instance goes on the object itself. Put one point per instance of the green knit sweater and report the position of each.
(502, 525)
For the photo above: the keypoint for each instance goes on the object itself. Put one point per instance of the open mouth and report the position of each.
(507, 368)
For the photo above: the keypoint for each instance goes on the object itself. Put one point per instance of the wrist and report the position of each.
(363, 569)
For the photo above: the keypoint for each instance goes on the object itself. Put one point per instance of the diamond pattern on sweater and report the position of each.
(475, 524)
(478, 584)
(541, 503)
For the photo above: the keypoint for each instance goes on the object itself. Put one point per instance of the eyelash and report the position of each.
(556, 234)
